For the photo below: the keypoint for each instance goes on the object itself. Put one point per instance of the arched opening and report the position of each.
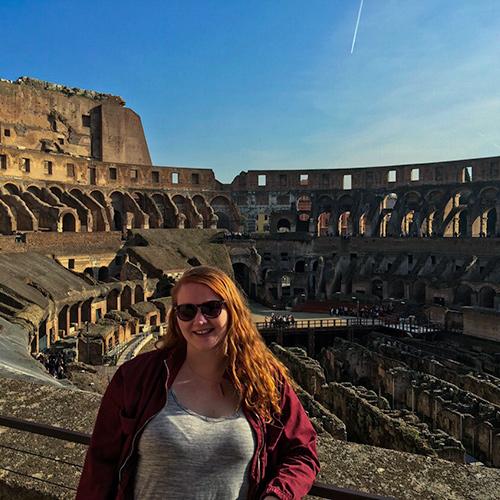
(486, 297)
(363, 223)
(126, 298)
(56, 191)
(345, 224)
(384, 225)
(99, 197)
(69, 223)
(73, 314)
(407, 223)
(112, 300)
(427, 228)
(103, 273)
(283, 226)
(389, 201)
(323, 224)
(89, 271)
(35, 190)
(300, 266)
(223, 221)
(463, 296)
(138, 294)
(304, 206)
(117, 221)
(11, 189)
(87, 310)
(377, 289)
(242, 276)
(491, 223)
(62, 320)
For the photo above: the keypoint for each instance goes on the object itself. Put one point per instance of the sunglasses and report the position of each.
(210, 309)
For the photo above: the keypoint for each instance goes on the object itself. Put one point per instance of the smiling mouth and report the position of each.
(205, 331)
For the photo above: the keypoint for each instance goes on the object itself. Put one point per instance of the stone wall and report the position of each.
(370, 420)
(466, 417)
(428, 361)
(47, 117)
(310, 376)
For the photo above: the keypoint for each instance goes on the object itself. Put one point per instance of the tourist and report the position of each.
(209, 414)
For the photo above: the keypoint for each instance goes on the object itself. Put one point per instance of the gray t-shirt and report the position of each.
(186, 455)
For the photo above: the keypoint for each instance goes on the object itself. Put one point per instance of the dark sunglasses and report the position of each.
(210, 309)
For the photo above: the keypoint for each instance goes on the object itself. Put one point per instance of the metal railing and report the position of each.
(349, 322)
(320, 490)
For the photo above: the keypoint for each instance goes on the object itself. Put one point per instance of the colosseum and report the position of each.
(93, 235)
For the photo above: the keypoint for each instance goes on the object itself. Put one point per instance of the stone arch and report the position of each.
(242, 276)
(138, 294)
(407, 223)
(35, 190)
(74, 316)
(77, 193)
(325, 209)
(12, 189)
(203, 208)
(486, 297)
(87, 310)
(223, 221)
(68, 223)
(98, 196)
(56, 190)
(304, 206)
(412, 200)
(300, 266)
(485, 223)
(166, 209)
(112, 300)
(119, 212)
(283, 226)
(463, 295)
(103, 273)
(384, 225)
(389, 201)
(63, 320)
(126, 298)
(181, 204)
(427, 228)
(345, 227)
(363, 224)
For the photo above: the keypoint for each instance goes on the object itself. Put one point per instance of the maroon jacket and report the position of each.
(285, 463)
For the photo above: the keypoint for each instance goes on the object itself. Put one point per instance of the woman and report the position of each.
(209, 414)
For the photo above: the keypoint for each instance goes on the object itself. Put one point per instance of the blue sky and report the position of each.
(237, 85)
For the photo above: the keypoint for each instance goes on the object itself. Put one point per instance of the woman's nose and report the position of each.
(200, 318)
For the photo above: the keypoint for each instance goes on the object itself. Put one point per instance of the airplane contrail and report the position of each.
(357, 24)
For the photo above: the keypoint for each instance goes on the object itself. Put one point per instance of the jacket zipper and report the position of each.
(259, 451)
(132, 447)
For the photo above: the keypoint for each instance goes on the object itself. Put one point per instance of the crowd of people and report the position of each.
(236, 236)
(54, 363)
(364, 311)
(280, 321)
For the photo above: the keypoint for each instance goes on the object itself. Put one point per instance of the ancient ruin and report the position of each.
(93, 235)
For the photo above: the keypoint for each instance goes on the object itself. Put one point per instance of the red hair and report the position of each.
(252, 368)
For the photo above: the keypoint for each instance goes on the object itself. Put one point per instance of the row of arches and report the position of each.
(57, 209)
